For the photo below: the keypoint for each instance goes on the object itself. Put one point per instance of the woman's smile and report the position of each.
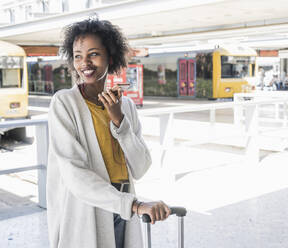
(88, 72)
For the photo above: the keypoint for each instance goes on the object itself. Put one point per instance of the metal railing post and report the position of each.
(166, 133)
(42, 159)
(285, 114)
(212, 116)
(277, 111)
(238, 110)
(251, 125)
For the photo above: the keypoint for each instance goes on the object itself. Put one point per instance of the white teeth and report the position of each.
(88, 72)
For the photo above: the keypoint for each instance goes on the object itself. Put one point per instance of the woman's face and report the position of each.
(90, 58)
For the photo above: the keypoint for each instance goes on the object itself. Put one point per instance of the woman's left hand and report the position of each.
(156, 210)
(113, 104)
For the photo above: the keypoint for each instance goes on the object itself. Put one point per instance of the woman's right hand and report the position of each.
(156, 210)
(113, 104)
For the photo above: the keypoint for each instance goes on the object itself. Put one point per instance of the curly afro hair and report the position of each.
(112, 39)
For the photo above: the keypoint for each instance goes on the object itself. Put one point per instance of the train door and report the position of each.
(186, 77)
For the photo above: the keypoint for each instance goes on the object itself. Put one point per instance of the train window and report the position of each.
(11, 62)
(204, 65)
(191, 71)
(10, 78)
(0, 78)
(235, 66)
(253, 70)
(11, 71)
(21, 83)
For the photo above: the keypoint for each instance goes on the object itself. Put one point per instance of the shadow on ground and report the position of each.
(12, 206)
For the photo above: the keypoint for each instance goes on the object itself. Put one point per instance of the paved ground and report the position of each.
(230, 203)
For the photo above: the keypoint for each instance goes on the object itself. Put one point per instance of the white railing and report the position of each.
(41, 129)
(246, 120)
(262, 96)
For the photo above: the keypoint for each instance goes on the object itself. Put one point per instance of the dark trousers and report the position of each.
(119, 231)
(119, 224)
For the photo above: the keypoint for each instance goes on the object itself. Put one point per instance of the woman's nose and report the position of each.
(86, 61)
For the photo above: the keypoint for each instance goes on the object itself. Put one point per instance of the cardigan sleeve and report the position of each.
(71, 159)
(130, 138)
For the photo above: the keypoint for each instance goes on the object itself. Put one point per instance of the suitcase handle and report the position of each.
(179, 211)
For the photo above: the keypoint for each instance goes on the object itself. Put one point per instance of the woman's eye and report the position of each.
(94, 54)
(76, 56)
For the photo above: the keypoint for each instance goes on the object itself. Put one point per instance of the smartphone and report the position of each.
(115, 92)
(124, 86)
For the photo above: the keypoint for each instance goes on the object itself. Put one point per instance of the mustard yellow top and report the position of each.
(111, 151)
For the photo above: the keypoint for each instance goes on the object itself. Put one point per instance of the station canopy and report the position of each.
(169, 23)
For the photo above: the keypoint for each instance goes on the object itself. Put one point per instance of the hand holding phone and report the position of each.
(115, 92)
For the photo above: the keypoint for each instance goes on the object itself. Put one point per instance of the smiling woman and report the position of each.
(90, 191)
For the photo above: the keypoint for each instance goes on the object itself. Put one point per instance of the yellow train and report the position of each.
(231, 68)
(203, 73)
(13, 82)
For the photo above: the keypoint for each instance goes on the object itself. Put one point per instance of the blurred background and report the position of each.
(210, 81)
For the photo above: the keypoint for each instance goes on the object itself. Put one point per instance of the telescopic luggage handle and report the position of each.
(180, 212)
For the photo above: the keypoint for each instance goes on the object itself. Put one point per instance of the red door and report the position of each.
(191, 77)
(186, 77)
(182, 81)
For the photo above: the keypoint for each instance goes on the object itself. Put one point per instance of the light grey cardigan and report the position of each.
(80, 198)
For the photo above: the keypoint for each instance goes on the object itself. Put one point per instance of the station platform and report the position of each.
(229, 203)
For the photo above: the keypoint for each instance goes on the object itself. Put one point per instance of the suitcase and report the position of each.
(180, 213)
